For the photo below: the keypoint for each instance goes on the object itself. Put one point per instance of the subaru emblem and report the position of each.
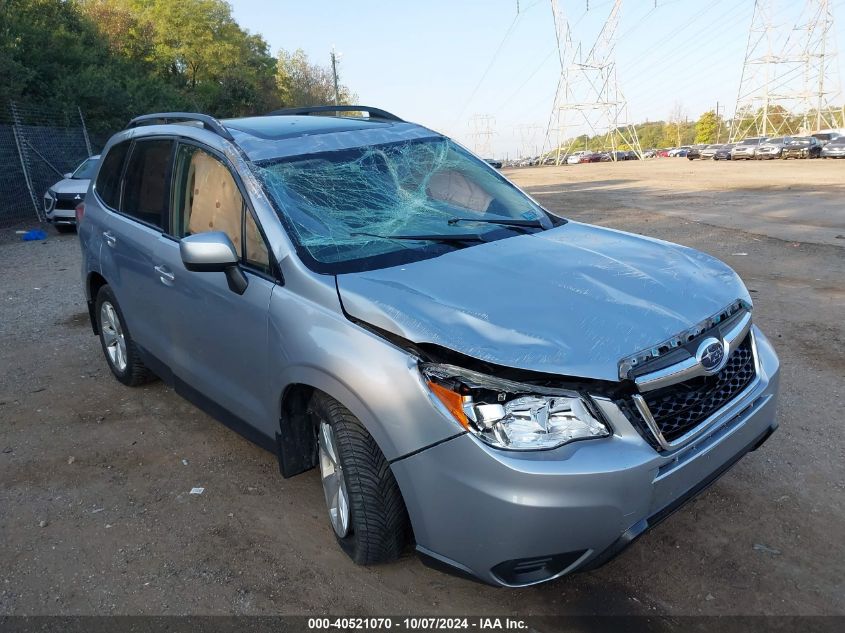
(711, 355)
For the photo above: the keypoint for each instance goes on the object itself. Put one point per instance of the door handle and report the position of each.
(110, 239)
(164, 274)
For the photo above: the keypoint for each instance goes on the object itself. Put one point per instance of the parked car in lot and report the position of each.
(493, 162)
(724, 152)
(772, 148)
(709, 151)
(834, 149)
(61, 199)
(608, 157)
(347, 292)
(694, 152)
(679, 152)
(826, 137)
(801, 147)
(583, 156)
(747, 149)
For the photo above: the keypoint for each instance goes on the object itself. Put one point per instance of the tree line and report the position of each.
(710, 128)
(116, 59)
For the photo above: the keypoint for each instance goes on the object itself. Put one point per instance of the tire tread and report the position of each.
(379, 517)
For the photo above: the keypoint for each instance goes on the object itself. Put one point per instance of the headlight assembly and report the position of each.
(512, 415)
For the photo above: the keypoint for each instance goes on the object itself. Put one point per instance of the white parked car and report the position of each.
(61, 200)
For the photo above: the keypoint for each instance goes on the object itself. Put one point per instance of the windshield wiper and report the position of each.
(519, 224)
(467, 237)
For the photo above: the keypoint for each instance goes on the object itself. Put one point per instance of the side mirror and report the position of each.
(68, 175)
(213, 252)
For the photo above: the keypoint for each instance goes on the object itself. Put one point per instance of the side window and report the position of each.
(108, 179)
(206, 198)
(146, 188)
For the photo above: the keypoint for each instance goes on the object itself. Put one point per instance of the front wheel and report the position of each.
(365, 506)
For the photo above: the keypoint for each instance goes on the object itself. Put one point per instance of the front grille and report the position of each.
(67, 203)
(679, 408)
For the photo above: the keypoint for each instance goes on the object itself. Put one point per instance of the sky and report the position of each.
(444, 63)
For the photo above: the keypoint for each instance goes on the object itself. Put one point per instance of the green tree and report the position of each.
(708, 127)
(53, 54)
(301, 82)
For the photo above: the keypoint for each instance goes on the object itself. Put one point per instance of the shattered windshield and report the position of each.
(383, 205)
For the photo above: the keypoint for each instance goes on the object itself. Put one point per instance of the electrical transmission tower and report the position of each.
(589, 99)
(790, 76)
(529, 136)
(482, 128)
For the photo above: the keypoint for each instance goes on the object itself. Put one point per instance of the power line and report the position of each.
(495, 56)
(489, 66)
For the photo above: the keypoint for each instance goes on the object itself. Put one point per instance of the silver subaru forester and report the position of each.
(519, 395)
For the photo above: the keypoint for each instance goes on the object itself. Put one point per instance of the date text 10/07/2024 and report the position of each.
(418, 624)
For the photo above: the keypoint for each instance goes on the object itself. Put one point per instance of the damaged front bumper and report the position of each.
(520, 518)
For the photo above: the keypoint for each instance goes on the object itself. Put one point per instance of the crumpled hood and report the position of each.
(573, 300)
(69, 185)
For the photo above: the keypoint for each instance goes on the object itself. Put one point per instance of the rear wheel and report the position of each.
(118, 347)
(365, 506)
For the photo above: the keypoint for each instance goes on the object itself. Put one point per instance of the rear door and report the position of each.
(219, 339)
(130, 234)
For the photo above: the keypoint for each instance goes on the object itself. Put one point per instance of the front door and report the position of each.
(219, 339)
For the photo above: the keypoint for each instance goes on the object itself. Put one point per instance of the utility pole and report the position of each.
(588, 99)
(719, 127)
(334, 73)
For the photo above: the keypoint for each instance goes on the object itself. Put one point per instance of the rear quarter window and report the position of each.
(108, 180)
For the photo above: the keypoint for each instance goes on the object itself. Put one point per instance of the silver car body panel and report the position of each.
(359, 134)
(571, 301)
(463, 495)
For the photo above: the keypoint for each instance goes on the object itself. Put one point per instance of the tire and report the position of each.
(118, 346)
(65, 228)
(377, 523)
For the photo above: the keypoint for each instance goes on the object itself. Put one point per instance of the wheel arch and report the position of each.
(93, 283)
(297, 450)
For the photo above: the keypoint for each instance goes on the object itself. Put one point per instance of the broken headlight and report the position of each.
(512, 415)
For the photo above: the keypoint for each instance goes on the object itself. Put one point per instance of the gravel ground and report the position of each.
(96, 515)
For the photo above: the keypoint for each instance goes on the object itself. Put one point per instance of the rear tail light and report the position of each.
(80, 212)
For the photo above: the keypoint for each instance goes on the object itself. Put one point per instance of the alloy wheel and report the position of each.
(113, 337)
(334, 484)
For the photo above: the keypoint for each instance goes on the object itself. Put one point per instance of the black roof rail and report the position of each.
(375, 113)
(208, 122)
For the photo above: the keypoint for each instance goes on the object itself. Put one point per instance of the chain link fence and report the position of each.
(37, 146)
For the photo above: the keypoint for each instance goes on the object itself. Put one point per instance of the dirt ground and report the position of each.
(96, 515)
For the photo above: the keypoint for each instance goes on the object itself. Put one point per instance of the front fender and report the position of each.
(378, 382)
